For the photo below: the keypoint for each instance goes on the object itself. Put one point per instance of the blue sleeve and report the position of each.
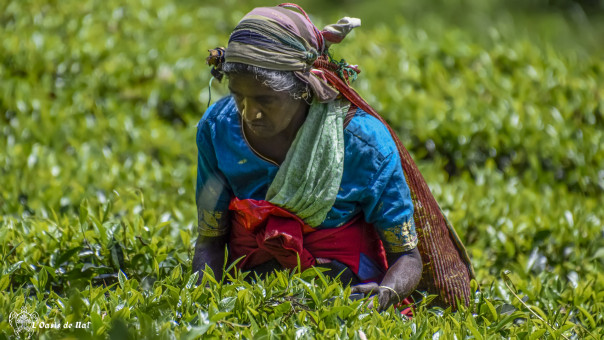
(212, 193)
(388, 206)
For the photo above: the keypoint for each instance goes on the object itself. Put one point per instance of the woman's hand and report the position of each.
(403, 275)
(386, 296)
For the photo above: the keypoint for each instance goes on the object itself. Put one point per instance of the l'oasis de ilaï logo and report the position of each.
(24, 321)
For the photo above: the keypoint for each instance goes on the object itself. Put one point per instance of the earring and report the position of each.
(306, 96)
(258, 115)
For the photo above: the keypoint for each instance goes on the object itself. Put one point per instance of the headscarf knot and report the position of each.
(311, 56)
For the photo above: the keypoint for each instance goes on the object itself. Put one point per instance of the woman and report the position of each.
(295, 165)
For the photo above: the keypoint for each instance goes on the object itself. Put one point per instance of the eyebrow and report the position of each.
(258, 97)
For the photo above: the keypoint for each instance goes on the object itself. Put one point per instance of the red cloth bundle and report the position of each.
(262, 231)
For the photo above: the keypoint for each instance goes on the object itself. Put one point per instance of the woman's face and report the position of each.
(266, 113)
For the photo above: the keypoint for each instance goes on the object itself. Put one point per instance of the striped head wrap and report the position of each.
(278, 38)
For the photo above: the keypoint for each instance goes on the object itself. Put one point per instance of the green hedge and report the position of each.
(98, 106)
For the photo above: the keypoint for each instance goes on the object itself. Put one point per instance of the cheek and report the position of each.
(280, 115)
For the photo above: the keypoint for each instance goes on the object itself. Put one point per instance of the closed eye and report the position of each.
(266, 100)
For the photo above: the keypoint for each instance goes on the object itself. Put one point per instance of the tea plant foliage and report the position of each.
(98, 106)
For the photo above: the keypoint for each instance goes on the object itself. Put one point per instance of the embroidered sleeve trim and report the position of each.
(211, 223)
(400, 238)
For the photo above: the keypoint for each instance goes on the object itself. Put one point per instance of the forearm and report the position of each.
(210, 251)
(404, 272)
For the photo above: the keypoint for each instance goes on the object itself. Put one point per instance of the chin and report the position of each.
(261, 131)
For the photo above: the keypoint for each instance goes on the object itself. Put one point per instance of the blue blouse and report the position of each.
(373, 182)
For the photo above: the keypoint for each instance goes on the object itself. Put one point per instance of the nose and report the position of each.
(251, 112)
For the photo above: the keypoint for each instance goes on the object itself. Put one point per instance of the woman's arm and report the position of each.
(212, 196)
(403, 275)
(209, 250)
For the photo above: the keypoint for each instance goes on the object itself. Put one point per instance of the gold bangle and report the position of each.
(392, 290)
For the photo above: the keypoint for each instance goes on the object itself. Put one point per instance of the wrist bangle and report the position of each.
(392, 290)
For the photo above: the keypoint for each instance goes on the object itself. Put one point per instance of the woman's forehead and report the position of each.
(248, 83)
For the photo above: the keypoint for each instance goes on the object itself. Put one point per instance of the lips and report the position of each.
(256, 127)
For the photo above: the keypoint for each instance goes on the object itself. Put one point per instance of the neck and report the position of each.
(288, 135)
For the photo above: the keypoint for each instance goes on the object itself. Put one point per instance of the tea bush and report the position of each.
(98, 106)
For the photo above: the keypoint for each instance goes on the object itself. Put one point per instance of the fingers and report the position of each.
(382, 301)
(370, 304)
(366, 288)
(385, 298)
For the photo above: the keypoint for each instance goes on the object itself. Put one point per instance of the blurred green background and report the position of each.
(501, 103)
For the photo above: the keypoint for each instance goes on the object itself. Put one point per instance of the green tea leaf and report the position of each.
(588, 316)
(83, 211)
(4, 282)
(175, 274)
(122, 278)
(42, 279)
(537, 334)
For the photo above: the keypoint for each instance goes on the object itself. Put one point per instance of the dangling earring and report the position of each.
(306, 96)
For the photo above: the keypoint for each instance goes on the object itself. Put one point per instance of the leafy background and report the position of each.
(500, 102)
